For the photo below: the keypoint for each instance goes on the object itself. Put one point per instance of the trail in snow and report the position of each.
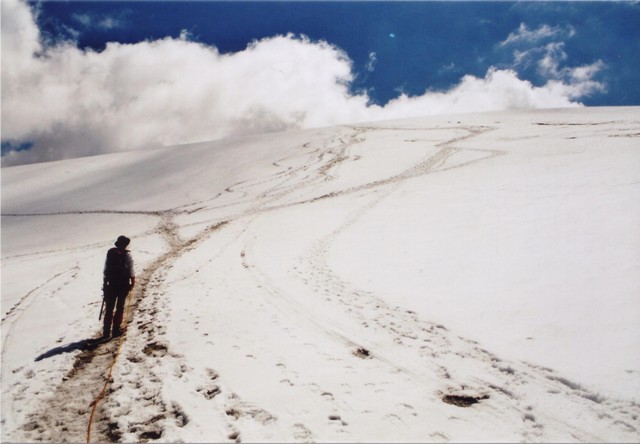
(65, 416)
(414, 348)
(366, 345)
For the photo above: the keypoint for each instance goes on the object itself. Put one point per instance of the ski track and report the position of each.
(412, 350)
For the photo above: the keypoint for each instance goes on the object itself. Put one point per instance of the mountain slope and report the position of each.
(459, 278)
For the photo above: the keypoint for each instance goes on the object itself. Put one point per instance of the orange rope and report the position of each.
(113, 363)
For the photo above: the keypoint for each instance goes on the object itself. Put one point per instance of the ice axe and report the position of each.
(102, 306)
(101, 310)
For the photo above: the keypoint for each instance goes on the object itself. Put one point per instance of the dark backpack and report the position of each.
(116, 267)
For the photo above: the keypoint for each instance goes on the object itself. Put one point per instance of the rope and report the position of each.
(95, 402)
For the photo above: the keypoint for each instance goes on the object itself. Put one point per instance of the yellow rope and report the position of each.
(95, 402)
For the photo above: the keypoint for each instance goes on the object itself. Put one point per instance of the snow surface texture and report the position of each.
(466, 278)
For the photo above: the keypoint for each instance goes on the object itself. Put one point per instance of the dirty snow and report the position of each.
(456, 278)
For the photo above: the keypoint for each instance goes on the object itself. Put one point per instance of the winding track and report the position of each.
(64, 417)
(67, 415)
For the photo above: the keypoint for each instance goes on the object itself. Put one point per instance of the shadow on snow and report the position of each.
(83, 345)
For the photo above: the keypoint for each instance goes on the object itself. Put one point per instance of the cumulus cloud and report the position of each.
(65, 102)
(499, 90)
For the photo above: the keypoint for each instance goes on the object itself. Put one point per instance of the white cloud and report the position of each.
(71, 103)
(551, 65)
(544, 49)
(104, 22)
(109, 23)
(83, 19)
(549, 60)
(543, 32)
(499, 90)
(371, 62)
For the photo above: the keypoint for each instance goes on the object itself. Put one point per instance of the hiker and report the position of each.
(119, 279)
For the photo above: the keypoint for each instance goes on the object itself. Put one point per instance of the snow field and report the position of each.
(457, 278)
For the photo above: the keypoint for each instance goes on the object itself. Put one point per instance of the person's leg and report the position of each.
(109, 304)
(117, 320)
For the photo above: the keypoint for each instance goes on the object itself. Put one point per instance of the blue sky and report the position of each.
(417, 45)
(385, 59)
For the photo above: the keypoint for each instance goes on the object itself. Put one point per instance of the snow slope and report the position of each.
(455, 278)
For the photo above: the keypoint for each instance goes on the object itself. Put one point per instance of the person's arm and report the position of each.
(132, 273)
(104, 274)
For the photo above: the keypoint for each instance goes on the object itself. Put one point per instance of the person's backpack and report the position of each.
(116, 267)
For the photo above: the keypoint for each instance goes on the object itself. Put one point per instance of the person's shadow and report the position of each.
(83, 345)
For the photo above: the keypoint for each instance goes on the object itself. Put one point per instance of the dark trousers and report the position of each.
(114, 298)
